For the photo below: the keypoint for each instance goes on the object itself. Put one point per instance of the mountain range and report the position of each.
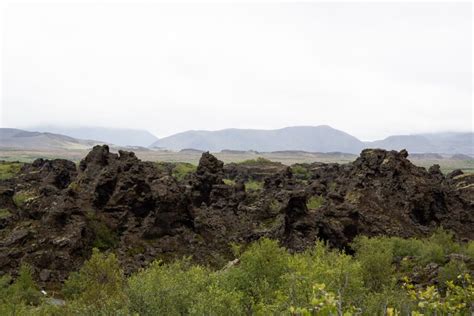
(321, 138)
(307, 138)
(117, 136)
(17, 139)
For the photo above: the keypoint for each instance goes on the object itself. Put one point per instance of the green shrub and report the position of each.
(445, 239)
(182, 169)
(9, 169)
(216, 299)
(375, 256)
(24, 289)
(259, 274)
(458, 299)
(266, 280)
(438, 246)
(410, 247)
(98, 287)
(167, 289)
(469, 249)
(315, 202)
(340, 273)
(380, 303)
(253, 185)
(450, 272)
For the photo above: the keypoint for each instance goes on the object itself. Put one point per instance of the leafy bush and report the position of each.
(266, 279)
(429, 301)
(259, 274)
(166, 289)
(20, 297)
(469, 249)
(375, 256)
(24, 289)
(217, 300)
(437, 246)
(339, 272)
(98, 287)
(410, 247)
(389, 301)
(450, 272)
(322, 302)
(445, 239)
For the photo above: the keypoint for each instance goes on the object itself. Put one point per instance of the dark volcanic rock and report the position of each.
(208, 174)
(117, 202)
(58, 172)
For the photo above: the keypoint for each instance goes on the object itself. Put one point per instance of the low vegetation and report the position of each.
(104, 237)
(20, 198)
(267, 280)
(9, 169)
(257, 161)
(4, 213)
(253, 185)
(301, 172)
(229, 182)
(315, 202)
(182, 169)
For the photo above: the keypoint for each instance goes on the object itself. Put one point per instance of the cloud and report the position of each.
(369, 69)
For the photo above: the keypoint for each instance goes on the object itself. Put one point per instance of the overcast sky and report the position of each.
(369, 69)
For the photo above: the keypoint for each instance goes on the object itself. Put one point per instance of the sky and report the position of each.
(369, 69)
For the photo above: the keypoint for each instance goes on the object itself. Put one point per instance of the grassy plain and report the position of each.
(288, 158)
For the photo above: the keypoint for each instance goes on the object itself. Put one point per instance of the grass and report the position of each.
(4, 213)
(315, 202)
(20, 198)
(9, 169)
(253, 185)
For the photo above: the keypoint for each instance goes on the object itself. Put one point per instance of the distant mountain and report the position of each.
(11, 138)
(448, 143)
(323, 139)
(307, 138)
(117, 136)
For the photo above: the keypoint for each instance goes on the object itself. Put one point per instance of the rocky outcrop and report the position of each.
(118, 203)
